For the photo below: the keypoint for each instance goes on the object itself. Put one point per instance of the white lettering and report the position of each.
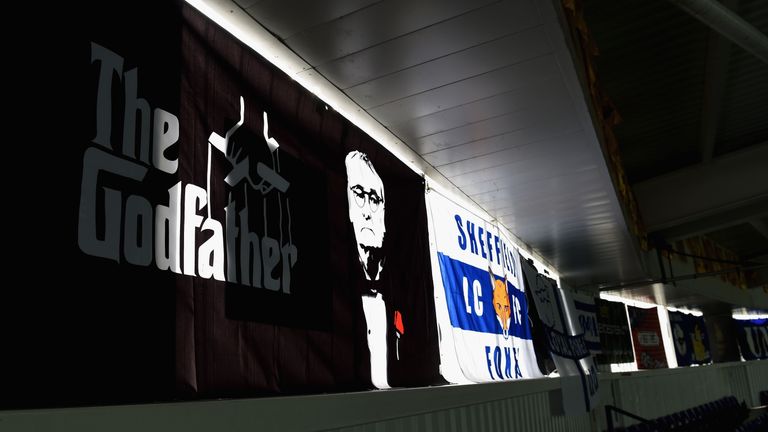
(465, 286)
(210, 257)
(195, 199)
(166, 133)
(478, 289)
(117, 227)
(167, 232)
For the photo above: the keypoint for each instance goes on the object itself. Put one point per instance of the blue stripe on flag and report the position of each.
(483, 318)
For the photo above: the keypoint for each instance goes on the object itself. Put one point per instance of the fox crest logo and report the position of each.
(501, 303)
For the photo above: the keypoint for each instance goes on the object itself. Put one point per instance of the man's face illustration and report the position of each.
(365, 195)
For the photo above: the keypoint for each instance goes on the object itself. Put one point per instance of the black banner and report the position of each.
(539, 333)
(212, 229)
(348, 229)
(615, 338)
(723, 333)
(85, 329)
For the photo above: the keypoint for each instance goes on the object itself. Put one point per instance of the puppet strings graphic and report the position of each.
(174, 226)
(270, 179)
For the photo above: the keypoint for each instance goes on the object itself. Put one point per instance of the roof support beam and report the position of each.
(728, 24)
(716, 75)
(748, 213)
(735, 180)
(760, 226)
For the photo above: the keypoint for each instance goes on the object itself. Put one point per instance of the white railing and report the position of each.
(531, 405)
(652, 394)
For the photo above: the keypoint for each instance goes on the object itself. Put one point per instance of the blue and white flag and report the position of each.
(586, 316)
(480, 301)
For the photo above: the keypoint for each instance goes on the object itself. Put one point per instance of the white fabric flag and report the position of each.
(480, 300)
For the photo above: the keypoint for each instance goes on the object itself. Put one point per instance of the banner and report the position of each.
(689, 334)
(723, 332)
(538, 332)
(326, 287)
(615, 338)
(566, 342)
(753, 338)
(586, 316)
(481, 306)
(221, 231)
(646, 337)
(108, 324)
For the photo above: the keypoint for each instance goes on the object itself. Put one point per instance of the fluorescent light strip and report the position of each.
(233, 19)
(623, 367)
(693, 312)
(741, 316)
(627, 301)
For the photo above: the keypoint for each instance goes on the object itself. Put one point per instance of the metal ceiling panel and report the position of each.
(444, 38)
(559, 211)
(535, 96)
(538, 187)
(530, 179)
(533, 133)
(555, 120)
(553, 159)
(488, 169)
(571, 232)
(452, 68)
(529, 73)
(373, 25)
(559, 237)
(502, 172)
(288, 17)
(553, 200)
(563, 235)
(553, 156)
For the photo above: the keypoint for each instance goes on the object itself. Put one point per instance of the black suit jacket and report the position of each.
(419, 357)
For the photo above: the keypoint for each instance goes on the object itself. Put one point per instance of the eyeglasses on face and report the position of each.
(373, 198)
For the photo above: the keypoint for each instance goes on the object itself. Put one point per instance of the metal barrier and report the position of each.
(610, 409)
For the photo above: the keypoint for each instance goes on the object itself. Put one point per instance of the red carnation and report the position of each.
(399, 323)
